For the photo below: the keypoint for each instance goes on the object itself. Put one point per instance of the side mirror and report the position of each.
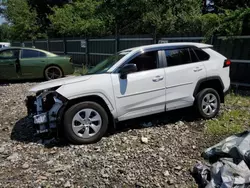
(128, 68)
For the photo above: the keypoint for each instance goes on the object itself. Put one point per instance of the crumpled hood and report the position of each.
(58, 82)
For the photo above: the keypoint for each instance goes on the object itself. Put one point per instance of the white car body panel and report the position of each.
(180, 84)
(97, 85)
(214, 67)
(142, 93)
(58, 82)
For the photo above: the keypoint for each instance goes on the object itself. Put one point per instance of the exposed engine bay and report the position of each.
(45, 109)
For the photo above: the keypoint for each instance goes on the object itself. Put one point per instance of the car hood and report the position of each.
(58, 82)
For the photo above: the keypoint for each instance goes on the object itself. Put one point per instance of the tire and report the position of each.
(53, 72)
(80, 125)
(205, 108)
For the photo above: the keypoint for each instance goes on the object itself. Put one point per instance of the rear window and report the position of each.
(203, 56)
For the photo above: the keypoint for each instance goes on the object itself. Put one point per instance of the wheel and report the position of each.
(208, 103)
(53, 72)
(85, 123)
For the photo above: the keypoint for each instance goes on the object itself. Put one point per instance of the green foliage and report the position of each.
(31, 18)
(22, 19)
(80, 70)
(78, 18)
(4, 32)
(228, 123)
(231, 121)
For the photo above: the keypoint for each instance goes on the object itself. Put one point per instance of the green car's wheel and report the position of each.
(53, 72)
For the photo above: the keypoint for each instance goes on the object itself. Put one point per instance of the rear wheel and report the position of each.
(208, 103)
(85, 123)
(53, 72)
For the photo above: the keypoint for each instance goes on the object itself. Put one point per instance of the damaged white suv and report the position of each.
(132, 83)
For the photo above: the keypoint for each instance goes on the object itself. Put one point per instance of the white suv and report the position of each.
(132, 83)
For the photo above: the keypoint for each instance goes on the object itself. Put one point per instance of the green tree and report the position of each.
(173, 17)
(77, 19)
(5, 32)
(22, 20)
(123, 16)
(44, 9)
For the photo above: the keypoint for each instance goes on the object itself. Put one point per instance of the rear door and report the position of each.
(32, 63)
(8, 64)
(183, 71)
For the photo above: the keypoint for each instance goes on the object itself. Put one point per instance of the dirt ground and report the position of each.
(154, 151)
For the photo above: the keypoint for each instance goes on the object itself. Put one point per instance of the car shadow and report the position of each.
(186, 115)
(24, 131)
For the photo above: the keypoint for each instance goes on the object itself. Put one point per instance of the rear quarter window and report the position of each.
(203, 56)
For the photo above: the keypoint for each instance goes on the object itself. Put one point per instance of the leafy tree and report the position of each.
(77, 19)
(43, 10)
(4, 32)
(31, 18)
(168, 17)
(123, 16)
(22, 19)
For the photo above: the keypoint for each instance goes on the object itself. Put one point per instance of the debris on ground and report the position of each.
(148, 124)
(229, 164)
(144, 140)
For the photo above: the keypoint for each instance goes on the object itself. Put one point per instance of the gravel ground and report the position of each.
(155, 151)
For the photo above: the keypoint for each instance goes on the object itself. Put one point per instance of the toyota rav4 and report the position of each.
(132, 83)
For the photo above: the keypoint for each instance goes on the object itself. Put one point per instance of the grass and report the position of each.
(80, 70)
(239, 100)
(234, 119)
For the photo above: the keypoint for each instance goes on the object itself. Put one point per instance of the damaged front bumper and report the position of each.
(44, 109)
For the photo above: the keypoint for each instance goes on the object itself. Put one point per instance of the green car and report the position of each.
(31, 63)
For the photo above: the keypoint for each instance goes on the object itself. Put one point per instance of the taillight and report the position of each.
(227, 63)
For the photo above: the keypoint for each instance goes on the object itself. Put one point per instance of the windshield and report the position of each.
(105, 65)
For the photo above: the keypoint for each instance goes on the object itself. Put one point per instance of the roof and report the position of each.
(165, 45)
(18, 47)
(26, 48)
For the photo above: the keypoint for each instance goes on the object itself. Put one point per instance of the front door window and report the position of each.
(146, 61)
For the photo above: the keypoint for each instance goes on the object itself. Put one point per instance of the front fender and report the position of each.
(99, 94)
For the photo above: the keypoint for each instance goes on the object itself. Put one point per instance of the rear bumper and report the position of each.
(226, 92)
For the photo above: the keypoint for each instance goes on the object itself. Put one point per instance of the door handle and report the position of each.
(158, 78)
(198, 69)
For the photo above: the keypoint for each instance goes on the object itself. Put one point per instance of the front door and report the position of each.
(182, 73)
(9, 64)
(142, 92)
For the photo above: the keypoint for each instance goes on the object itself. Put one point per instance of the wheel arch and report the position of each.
(93, 98)
(214, 82)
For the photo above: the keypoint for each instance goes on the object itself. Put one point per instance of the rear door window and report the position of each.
(32, 54)
(177, 57)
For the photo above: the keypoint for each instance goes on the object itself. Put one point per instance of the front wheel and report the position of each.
(85, 123)
(208, 103)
